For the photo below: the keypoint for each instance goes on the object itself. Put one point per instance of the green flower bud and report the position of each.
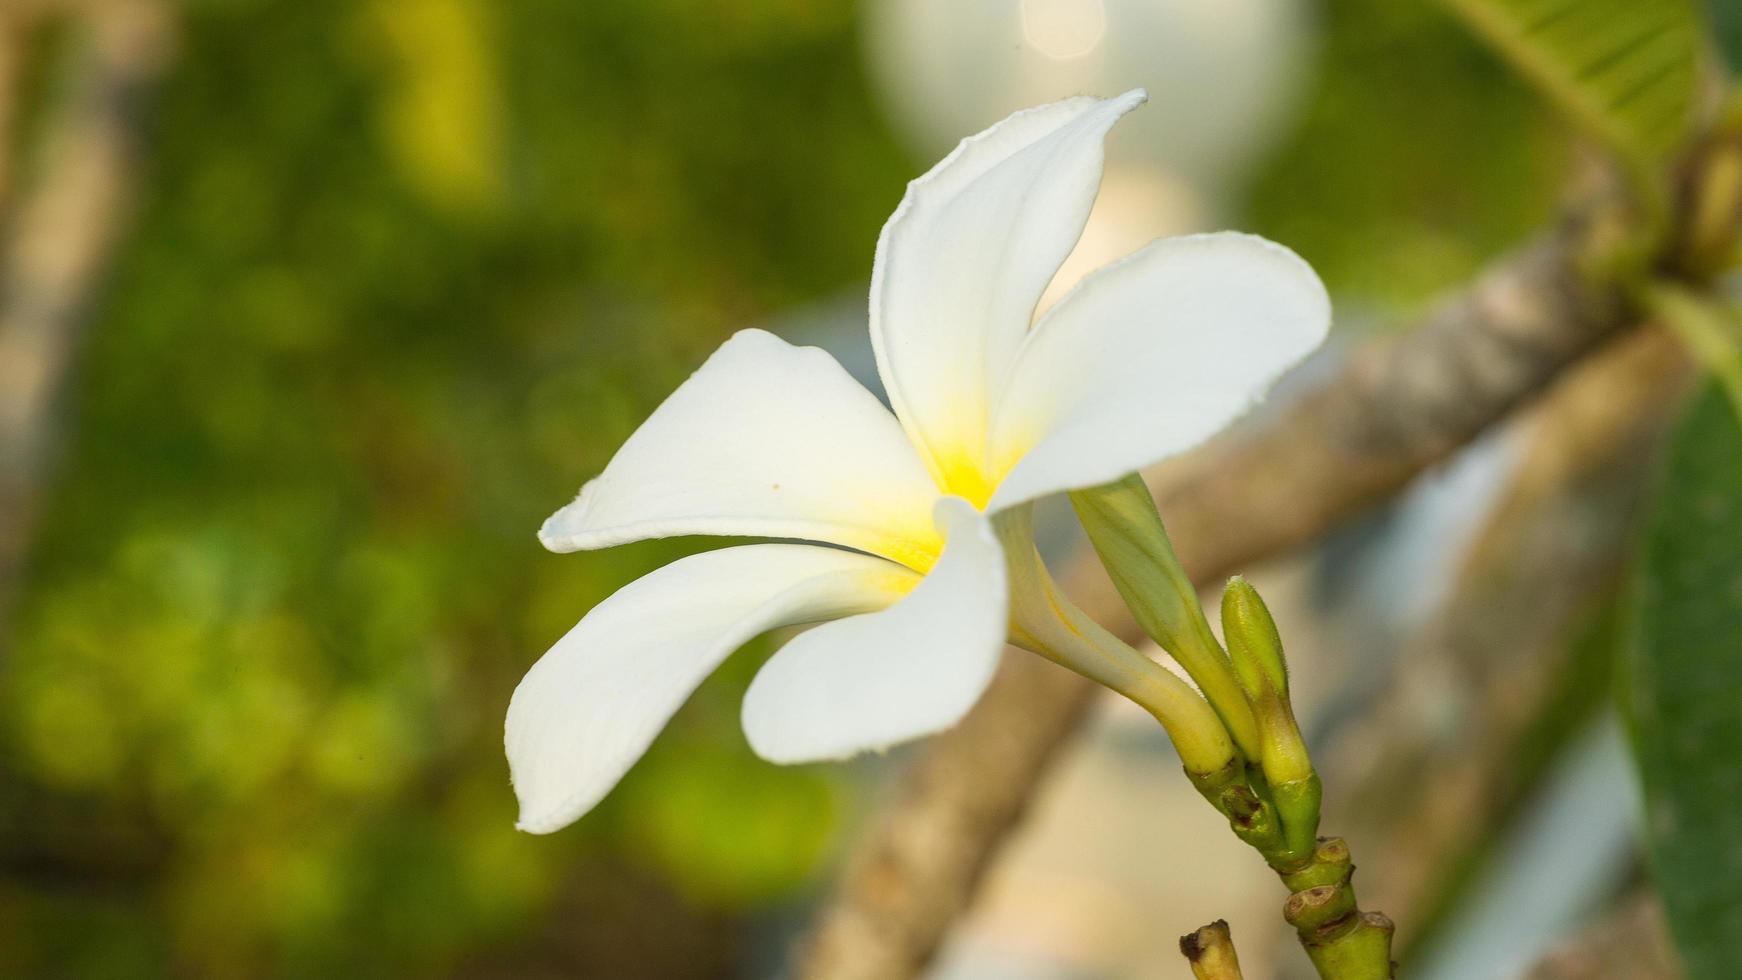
(1254, 644)
(1128, 535)
(1255, 647)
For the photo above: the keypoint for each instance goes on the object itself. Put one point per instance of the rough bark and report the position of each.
(1630, 943)
(1453, 741)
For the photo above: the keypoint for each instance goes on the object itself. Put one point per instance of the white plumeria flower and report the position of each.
(1146, 358)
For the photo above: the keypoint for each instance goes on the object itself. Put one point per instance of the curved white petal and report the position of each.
(913, 669)
(766, 439)
(962, 263)
(1151, 356)
(591, 705)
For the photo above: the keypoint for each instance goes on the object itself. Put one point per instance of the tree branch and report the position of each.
(64, 228)
(1454, 739)
(1630, 943)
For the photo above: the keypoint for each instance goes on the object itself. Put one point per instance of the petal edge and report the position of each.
(590, 707)
(963, 261)
(1149, 357)
(768, 440)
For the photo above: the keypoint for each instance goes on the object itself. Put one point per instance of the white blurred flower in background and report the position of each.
(1225, 79)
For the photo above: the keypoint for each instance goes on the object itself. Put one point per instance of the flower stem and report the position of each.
(1044, 621)
(1268, 790)
(1343, 942)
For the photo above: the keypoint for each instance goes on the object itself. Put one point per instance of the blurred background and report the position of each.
(329, 303)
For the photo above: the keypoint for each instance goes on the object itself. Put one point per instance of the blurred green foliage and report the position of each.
(404, 273)
(1419, 157)
(1627, 72)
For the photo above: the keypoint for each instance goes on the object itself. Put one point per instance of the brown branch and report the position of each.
(16, 26)
(1394, 410)
(1630, 943)
(19, 22)
(1453, 740)
(59, 240)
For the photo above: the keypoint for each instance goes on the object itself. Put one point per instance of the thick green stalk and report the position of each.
(1361, 952)
(1343, 942)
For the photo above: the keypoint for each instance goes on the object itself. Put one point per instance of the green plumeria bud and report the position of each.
(1255, 647)
(1128, 535)
(1254, 644)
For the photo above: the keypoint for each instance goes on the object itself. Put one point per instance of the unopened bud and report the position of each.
(1123, 525)
(1255, 647)
(1253, 642)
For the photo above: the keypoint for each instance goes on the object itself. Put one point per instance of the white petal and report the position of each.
(913, 669)
(963, 261)
(591, 705)
(769, 440)
(1151, 356)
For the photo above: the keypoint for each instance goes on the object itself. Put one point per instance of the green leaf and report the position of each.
(1685, 690)
(1727, 30)
(1626, 70)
